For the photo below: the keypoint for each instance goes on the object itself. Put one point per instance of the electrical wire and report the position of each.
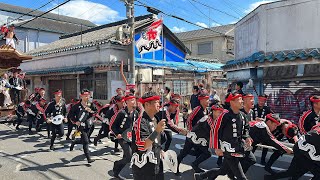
(90, 9)
(44, 13)
(233, 7)
(237, 5)
(204, 13)
(29, 13)
(178, 25)
(99, 11)
(175, 12)
(218, 10)
(181, 19)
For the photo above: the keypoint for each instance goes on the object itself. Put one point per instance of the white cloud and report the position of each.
(202, 24)
(256, 4)
(94, 12)
(233, 22)
(215, 24)
(175, 29)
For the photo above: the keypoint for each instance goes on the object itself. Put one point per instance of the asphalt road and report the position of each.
(24, 156)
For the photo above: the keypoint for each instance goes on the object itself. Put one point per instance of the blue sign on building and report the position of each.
(172, 52)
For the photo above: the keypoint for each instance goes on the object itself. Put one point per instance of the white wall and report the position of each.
(279, 26)
(219, 48)
(29, 38)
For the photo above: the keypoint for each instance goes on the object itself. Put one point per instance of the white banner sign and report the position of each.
(150, 39)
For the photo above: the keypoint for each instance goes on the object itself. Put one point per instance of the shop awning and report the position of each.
(141, 62)
(205, 66)
(66, 70)
(188, 65)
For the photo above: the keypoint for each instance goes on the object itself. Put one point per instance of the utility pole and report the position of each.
(131, 63)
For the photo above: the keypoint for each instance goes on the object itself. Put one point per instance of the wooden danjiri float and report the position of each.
(10, 59)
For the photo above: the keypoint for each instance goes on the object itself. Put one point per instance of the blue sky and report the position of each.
(106, 11)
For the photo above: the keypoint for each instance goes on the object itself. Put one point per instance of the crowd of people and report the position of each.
(11, 85)
(144, 127)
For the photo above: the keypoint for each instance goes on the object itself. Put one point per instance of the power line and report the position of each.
(204, 13)
(29, 13)
(237, 5)
(178, 9)
(45, 12)
(179, 18)
(99, 11)
(175, 12)
(223, 12)
(89, 9)
(233, 7)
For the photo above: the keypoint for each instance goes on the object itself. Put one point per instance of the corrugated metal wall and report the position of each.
(291, 98)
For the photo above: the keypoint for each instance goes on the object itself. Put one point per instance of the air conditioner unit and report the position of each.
(123, 32)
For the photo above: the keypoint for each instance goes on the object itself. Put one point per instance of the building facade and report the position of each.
(41, 31)
(215, 44)
(276, 46)
(92, 60)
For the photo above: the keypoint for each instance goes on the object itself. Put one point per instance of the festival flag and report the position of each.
(149, 40)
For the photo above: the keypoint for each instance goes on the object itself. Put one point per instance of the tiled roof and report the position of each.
(91, 37)
(290, 55)
(219, 31)
(25, 11)
(52, 26)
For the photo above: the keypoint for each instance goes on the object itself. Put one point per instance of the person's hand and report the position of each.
(184, 132)
(49, 121)
(249, 141)
(162, 154)
(161, 125)
(218, 152)
(78, 123)
(289, 151)
(65, 120)
(119, 136)
(259, 119)
(89, 110)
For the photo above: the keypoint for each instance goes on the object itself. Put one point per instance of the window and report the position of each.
(205, 48)
(68, 87)
(100, 89)
(180, 87)
(86, 84)
(300, 70)
(96, 83)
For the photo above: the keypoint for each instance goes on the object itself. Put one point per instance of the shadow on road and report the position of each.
(39, 167)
